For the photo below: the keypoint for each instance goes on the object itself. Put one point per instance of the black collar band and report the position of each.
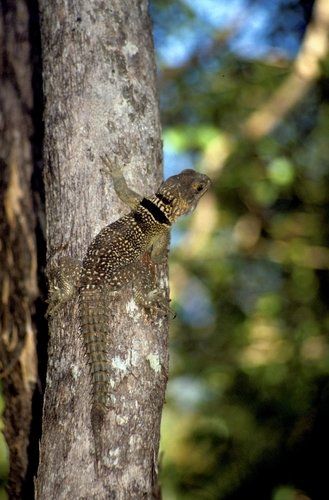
(155, 211)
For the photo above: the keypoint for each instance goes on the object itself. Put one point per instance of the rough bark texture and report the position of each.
(100, 96)
(18, 248)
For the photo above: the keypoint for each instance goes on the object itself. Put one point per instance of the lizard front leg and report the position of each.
(160, 248)
(146, 295)
(125, 194)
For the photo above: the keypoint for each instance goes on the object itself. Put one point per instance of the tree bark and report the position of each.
(18, 246)
(100, 97)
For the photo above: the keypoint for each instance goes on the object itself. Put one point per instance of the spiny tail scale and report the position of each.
(94, 321)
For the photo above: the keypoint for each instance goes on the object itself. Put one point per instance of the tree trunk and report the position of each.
(18, 248)
(100, 97)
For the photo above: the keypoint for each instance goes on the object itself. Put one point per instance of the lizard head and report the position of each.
(181, 193)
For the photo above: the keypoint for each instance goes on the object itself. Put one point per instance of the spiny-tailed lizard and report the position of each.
(113, 260)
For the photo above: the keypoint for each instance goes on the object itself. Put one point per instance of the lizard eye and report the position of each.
(199, 187)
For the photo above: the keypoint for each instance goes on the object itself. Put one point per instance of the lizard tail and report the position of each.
(97, 418)
(93, 310)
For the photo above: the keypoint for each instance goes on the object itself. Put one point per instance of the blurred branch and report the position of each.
(304, 72)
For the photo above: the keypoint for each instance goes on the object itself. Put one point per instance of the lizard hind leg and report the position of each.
(63, 278)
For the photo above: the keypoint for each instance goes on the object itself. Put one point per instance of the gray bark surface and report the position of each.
(100, 97)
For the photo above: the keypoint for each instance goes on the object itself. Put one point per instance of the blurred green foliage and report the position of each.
(248, 393)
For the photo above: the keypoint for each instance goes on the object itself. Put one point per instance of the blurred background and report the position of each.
(244, 90)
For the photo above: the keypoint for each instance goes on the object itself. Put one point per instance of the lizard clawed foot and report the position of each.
(156, 300)
(111, 168)
(63, 278)
(52, 307)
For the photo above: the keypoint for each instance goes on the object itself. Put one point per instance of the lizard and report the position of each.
(113, 260)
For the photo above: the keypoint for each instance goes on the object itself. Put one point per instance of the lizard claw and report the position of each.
(159, 302)
(110, 168)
